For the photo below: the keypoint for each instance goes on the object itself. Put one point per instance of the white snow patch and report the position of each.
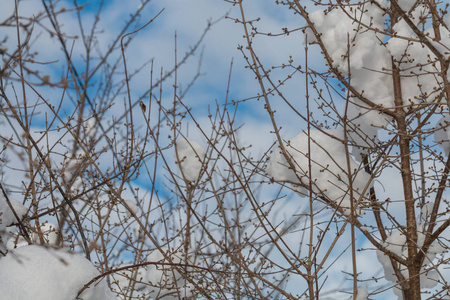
(3, 49)
(131, 278)
(442, 133)
(40, 273)
(362, 293)
(132, 206)
(49, 234)
(73, 166)
(7, 217)
(396, 243)
(91, 127)
(164, 278)
(329, 171)
(16, 241)
(189, 156)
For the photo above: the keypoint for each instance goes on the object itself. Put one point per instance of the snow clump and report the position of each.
(73, 167)
(329, 171)
(132, 208)
(161, 279)
(49, 234)
(337, 30)
(442, 134)
(41, 273)
(189, 156)
(123, 280)
(341, 30)
(362, 293)
(16, 241)
(396, 243)
(164, 278)
(91, 127)
(416, 61)
(7, 217)
(3, 49)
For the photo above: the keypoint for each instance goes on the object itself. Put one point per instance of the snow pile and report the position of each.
(189, 156)
(40, 273)
(329, 171)
(396, 243)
